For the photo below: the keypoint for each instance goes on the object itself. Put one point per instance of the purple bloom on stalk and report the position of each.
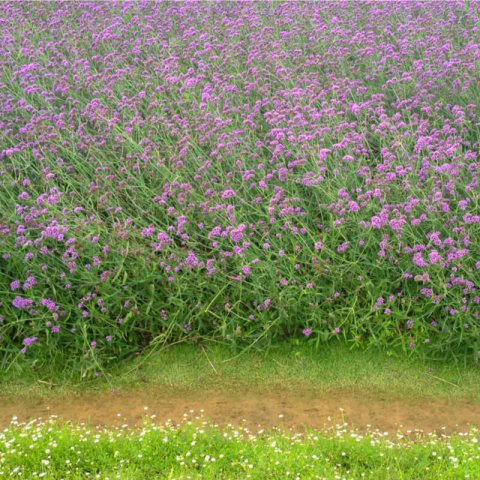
(434, 256)
(55, 329)
(47, 302)
(228, 193)
(93, 344)
(22, 303)
(307, 332)
(246, 270)
(14, 285)
(419, 261)
(147, 232)
(29, 341)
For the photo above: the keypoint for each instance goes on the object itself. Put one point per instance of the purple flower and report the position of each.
(419, 261)
(22, 303)
(49, 303)
(228, 193)
(307, 332)
(147, 232)
(434, 256)
(29, 341)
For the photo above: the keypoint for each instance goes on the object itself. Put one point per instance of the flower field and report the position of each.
(244, 172)
(195, 449)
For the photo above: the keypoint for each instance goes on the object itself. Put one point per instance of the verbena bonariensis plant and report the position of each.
(242, 171)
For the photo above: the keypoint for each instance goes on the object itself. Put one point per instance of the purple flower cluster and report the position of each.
(294, 160)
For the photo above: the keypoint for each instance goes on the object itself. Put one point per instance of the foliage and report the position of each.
(238, 171)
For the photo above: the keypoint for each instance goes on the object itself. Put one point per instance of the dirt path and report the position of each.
(253, 409)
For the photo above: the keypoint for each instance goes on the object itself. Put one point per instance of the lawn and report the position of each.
(289, 366)
(196, 450)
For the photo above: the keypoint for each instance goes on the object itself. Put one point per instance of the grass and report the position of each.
(196, 450)
(285, 366)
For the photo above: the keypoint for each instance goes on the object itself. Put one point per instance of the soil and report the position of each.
(254, 410)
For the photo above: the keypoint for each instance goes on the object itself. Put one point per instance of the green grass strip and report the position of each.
(197, 368)
(197, 450)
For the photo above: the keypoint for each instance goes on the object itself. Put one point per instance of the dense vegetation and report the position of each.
(238, 171)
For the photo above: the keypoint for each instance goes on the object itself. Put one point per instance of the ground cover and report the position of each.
(196, 450)
(288, 366)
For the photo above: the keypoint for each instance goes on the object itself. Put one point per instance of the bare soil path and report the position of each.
(255, 409)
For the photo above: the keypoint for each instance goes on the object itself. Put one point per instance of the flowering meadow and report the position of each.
(196, 449)
(244, 172)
